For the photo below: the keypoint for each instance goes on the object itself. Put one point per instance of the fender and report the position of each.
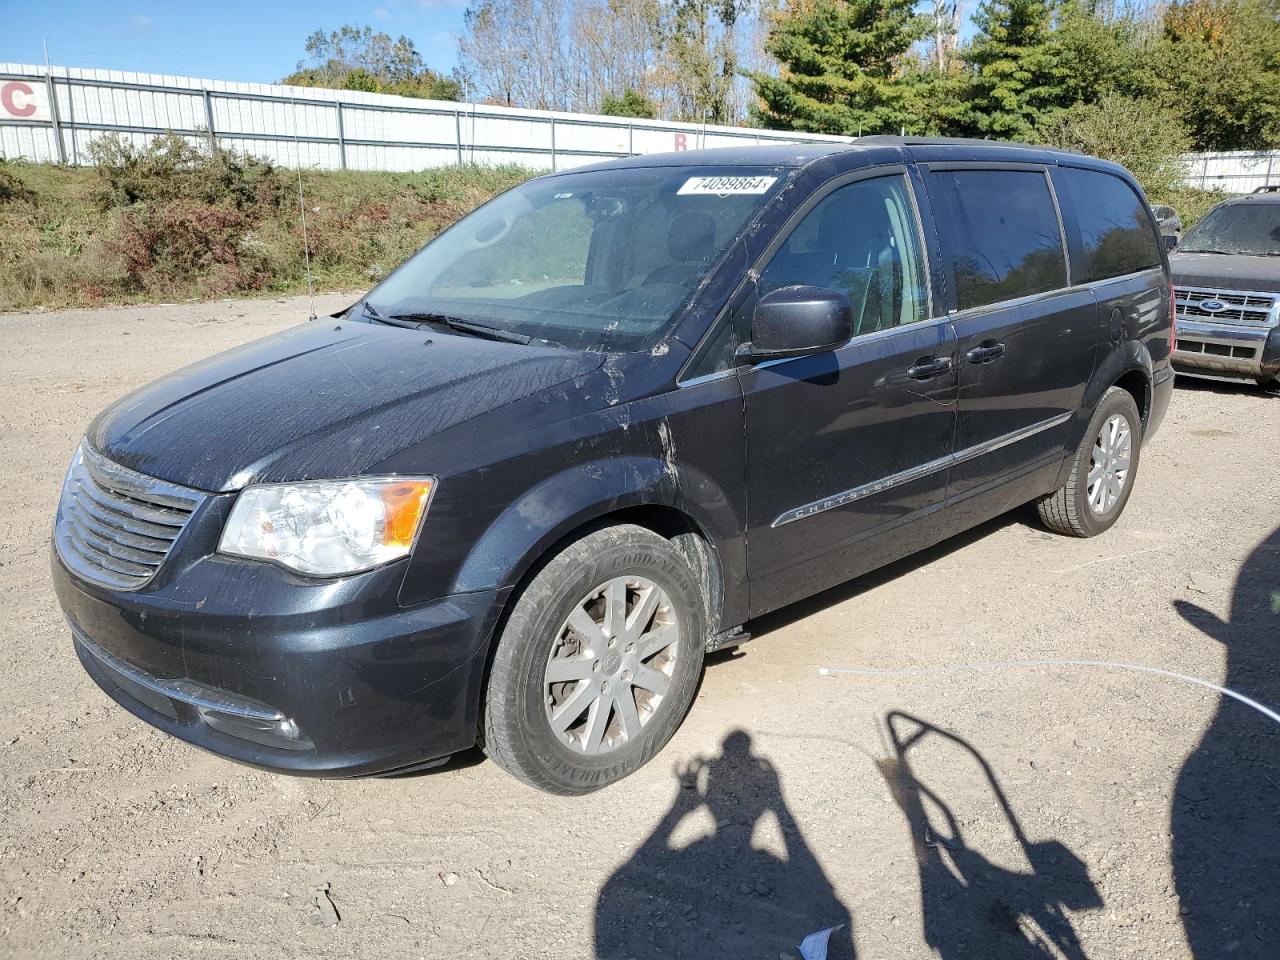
(1131, 357)
(567, 501)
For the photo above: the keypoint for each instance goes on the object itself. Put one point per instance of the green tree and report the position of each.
(632, 103)
(1219, 64)
(700, 58)
(1014, 73)
(1097, 54)
(1144, 136)
(357, 58)
(843, 69)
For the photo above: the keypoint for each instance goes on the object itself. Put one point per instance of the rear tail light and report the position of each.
(1173, 320)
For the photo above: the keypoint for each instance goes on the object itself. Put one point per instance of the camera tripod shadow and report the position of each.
(972, 907)
(721, 894)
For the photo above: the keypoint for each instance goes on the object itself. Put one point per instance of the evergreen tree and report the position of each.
(842, 69)
(1015, 77)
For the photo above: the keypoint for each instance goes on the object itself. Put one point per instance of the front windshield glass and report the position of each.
(599, 260)
(1249, 228)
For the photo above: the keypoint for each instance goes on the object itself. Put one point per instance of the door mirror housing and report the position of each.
(797, 321)
(1170, 241)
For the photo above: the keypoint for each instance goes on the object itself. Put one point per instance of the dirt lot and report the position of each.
(1013, 811)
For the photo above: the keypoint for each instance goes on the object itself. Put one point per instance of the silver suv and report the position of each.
(1227, 277)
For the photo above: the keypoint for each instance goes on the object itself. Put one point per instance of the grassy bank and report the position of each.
(174, 222)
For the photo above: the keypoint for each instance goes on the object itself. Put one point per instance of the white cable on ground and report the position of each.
(1015, 664)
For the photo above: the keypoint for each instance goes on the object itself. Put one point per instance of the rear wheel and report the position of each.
(1269, 383)
(597, 664)
(1102, 472)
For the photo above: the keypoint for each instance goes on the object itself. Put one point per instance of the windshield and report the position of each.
(1248, 228)
(600, 260)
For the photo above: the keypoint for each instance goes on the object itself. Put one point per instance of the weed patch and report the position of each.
(182, 220)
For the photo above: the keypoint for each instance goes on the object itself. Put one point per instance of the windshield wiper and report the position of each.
(1239, 253)
(372, 313)
(416, 320)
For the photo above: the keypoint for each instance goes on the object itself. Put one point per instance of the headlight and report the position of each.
(328, 528)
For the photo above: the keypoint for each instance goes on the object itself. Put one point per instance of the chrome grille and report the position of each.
(115, 526)
(1240, 307)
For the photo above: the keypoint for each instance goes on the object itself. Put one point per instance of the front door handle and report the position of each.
(926, 368)
(985, 352)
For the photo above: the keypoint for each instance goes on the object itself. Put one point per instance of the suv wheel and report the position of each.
(1102, 473)
(597, 664)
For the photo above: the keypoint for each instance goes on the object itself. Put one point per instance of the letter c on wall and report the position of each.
(9, 99)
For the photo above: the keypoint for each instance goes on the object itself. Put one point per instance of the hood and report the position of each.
(1220, 271)
(328, 399)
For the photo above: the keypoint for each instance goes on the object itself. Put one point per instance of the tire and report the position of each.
(1269, 383)
(541, 721)
(1075, 510)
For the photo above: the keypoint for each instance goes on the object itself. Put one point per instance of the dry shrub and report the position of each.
(172, 168)
(175, 221)
(12, 189)
(186, 246)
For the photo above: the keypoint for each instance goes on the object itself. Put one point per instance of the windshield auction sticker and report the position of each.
(726, 186)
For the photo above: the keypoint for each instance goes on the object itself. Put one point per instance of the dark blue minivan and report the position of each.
(515, 494)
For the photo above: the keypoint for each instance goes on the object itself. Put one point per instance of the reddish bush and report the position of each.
(164, 246)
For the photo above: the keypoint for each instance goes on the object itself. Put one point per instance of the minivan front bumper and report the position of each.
(319, 683)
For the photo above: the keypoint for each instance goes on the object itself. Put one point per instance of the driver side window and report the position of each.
(862, 240)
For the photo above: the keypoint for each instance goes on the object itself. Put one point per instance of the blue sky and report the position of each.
(223, 40)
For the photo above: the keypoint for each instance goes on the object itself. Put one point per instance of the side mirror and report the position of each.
(1170, 241)
(797, 321)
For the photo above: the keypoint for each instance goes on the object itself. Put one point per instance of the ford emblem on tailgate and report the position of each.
(1212, 306)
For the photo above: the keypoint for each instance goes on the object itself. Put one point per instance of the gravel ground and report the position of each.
(1011, 811)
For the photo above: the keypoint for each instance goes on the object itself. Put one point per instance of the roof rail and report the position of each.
(892, 140)
(1269, 188)
(938, 141)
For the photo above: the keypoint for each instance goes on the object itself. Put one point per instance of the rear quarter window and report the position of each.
(1001, 228)
(1115, 231)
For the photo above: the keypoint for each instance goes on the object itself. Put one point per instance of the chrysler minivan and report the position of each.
(517, 492)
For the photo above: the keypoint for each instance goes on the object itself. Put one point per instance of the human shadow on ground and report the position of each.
(971, 907)
(721, 894)
(1226, 805)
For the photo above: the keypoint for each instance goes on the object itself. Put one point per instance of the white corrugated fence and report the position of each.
(51, 115)
(1240, 171)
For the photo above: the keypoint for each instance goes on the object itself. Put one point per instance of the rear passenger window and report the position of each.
(1114, 227)
(1001, 227)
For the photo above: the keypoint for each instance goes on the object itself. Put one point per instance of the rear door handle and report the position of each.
(985, 352)
(926, 368)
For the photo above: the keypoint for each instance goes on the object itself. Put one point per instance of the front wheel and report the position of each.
(1102, 472)
(597, 664)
